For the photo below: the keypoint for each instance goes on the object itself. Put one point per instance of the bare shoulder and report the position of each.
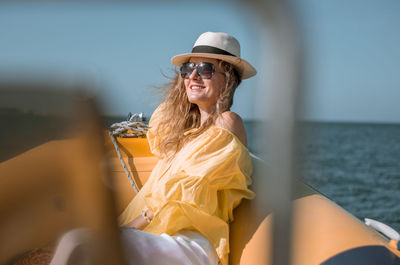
(232, 122)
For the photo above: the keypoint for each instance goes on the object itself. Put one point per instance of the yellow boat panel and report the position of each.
(129, 147)
(139, 168)
(322, 229)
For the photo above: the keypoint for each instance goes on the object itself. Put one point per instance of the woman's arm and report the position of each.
(142, 220)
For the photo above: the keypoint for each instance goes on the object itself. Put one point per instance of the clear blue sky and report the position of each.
(352, 50)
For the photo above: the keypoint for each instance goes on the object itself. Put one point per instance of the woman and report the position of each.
(204, 165)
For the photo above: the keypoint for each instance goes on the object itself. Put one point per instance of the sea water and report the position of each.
(355, 165)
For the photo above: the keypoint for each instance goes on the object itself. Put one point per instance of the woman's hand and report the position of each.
(142, 220)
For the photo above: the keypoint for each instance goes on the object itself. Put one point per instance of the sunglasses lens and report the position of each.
(187, 69)
(204, 70)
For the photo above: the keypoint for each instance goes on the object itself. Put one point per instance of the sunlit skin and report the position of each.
(204, 92)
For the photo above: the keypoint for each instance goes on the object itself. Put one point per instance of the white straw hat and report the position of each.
(218, 45)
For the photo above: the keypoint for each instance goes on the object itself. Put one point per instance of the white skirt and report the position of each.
(185, 247)
(142, 248)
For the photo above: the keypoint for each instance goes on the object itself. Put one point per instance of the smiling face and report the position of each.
(204, 92)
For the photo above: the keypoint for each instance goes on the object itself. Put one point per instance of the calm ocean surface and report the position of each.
(355, 165)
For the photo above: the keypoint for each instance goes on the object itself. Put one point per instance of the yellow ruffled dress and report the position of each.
(196, 190)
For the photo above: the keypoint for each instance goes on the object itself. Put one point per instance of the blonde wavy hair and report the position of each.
(181, 115)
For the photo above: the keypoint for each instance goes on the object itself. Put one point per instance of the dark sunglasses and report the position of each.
(204, 70)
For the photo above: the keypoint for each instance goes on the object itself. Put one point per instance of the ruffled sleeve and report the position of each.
(202, 185)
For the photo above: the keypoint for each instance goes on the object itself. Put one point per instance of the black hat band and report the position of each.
(210, 49)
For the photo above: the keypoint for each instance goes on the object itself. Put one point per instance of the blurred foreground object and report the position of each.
(53, 173)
